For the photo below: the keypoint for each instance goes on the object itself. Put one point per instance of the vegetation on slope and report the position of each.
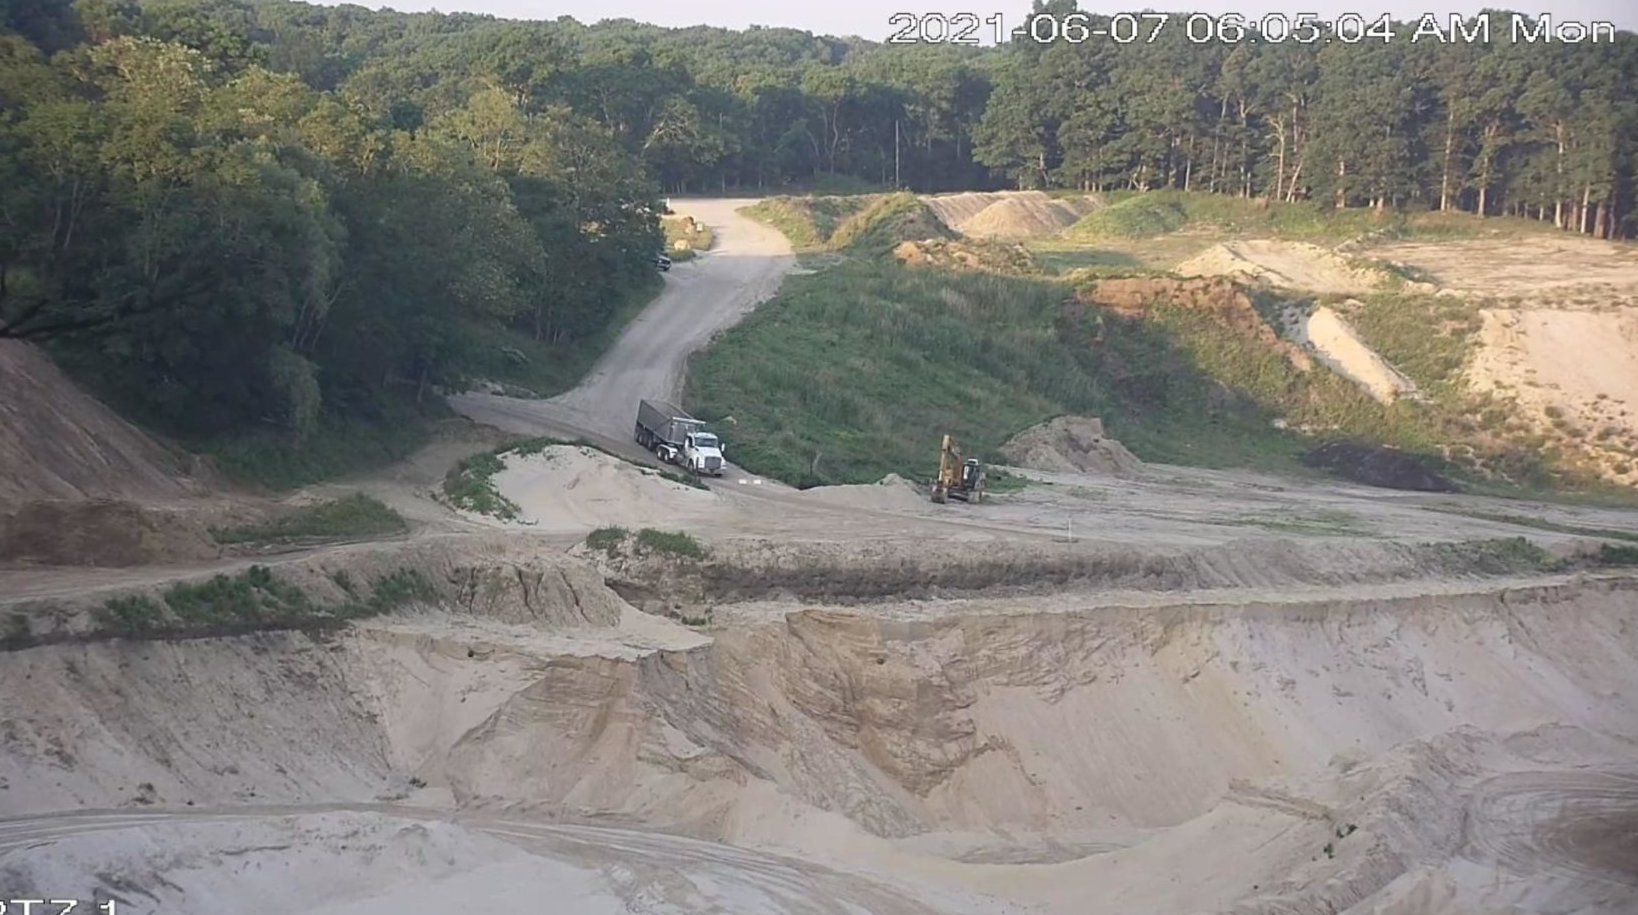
(255, 599)
(855, 371)
(354, 517)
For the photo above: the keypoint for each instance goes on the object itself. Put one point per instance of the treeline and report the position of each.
(257, 211)
(1543, 129)
(225, 247)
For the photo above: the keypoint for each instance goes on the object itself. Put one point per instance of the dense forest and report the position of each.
(256, 214)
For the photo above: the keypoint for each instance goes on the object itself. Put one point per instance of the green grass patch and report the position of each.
(1148, 214)
(470, 486)
(528, 367)
(19, 632)
(1142, 216)
(254, 598)
(607, 540)
(670, 543)
(1428, 338)
(1507, 556)
(614, 541)
(808, 222)
(1324, 522)
(1610, 554)
(354, 517)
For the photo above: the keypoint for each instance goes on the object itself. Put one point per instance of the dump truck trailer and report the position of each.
(677, 438)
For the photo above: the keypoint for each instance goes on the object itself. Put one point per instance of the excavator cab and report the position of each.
(957, 479)
(972, 476)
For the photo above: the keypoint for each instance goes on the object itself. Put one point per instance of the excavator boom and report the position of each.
(957, 479)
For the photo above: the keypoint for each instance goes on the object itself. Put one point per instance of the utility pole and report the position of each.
(896, 184)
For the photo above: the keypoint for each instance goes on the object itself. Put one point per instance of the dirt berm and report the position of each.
(1070, 444)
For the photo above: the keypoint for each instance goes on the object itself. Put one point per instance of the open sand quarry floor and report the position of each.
(1172, 691)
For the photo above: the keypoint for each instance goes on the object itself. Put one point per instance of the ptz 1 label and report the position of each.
(55, 907)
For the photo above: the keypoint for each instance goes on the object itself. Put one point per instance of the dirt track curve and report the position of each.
(701, 298)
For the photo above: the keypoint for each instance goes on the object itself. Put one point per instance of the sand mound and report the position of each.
(955, 209)
(574, 488)
(57, 442)
(1020, 214)
(1338, 346)
(1289, 265)
(1071, 444)
(1027, 216)
(1573, 372)
(891, 493)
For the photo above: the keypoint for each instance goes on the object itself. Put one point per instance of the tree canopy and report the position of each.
(257, 211)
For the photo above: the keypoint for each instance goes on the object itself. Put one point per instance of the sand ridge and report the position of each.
(1290, 265)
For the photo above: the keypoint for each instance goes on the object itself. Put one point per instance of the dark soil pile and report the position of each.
(1374, 465)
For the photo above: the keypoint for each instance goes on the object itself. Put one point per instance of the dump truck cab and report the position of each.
(702, 453)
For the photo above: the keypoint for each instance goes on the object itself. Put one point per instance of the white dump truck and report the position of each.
(677, 438)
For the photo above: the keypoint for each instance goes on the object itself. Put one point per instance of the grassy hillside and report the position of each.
(856, 370)
(1146, 215)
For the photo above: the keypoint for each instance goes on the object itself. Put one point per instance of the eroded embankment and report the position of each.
(865, 572)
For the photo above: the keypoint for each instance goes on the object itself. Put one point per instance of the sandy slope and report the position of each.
(1534, 269)
(57, 442)
(1071, 753)
(1290, 265)
(1579, 367)
(1330, 336)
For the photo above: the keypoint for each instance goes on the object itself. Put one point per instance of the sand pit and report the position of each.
(1289, 265)
(1331, 338)
(1020, 214)
(1161, 757)
(1071, 444)
(1576, 371)
(574, 488)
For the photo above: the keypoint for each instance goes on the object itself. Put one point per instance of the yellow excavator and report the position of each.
(957, 479)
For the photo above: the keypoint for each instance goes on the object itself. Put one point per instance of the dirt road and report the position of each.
(701, 298)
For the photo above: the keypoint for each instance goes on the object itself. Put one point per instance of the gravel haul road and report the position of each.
(701, 298)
